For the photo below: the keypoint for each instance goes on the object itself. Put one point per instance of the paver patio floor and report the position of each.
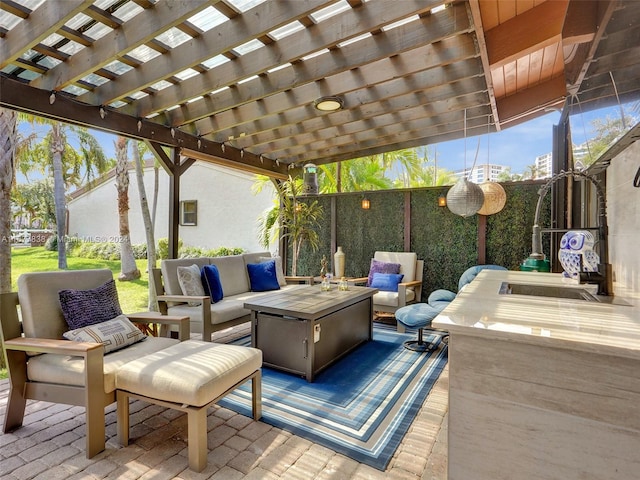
(50, 446)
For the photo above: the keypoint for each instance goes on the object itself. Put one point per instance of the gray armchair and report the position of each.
(44, 366)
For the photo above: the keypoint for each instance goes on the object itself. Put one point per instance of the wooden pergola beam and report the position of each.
(531, 31)
(547, 93)
(141, 29)
(41, 23)
(448, 51)
(22, 97)
(268, 16)
(315, 38)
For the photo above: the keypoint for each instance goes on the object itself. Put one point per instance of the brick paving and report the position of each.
(50, 445)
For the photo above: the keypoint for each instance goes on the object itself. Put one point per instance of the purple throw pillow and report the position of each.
(82, 308)
(381, 267)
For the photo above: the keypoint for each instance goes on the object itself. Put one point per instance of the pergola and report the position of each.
(236, 82)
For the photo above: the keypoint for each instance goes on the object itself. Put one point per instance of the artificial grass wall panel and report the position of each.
(446, 242)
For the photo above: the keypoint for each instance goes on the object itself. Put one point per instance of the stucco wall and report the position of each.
(227, 209)
(623, 212)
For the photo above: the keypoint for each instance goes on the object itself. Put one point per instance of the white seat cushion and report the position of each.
(407, 261)
(390, 299)
(191, 372)
(66, 370)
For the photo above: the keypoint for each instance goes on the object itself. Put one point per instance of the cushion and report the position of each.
(418, 315)
(472, 272)
(190, 282)
(81, 308)
(113, 334)
(441, 295)
(262, 276)
(279, 270)
(381, 267)
(211, 283)
(387, 282)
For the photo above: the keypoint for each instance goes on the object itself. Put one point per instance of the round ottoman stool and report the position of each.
(418, 315)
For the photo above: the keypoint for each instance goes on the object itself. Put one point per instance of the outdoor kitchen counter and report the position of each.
(574, 324)
(541, 387)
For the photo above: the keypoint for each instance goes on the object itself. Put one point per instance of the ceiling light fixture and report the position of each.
(328, 104)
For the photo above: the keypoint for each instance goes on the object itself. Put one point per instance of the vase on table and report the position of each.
(338, 261)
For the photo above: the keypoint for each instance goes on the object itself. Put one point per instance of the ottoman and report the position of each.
(418, 315)
(189, 376)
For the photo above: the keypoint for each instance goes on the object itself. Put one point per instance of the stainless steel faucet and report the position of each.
(603, 277)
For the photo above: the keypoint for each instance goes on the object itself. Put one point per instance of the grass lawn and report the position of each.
(133, 295)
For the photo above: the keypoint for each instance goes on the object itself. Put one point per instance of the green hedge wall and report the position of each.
(447, 243)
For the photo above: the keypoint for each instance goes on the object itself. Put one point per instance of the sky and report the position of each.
(516, 147)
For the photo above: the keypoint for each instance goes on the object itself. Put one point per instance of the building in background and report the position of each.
(217, 208)
(487, 172)
(543, 162)
(543, 166)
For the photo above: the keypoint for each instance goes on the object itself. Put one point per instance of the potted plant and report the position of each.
(292, 219)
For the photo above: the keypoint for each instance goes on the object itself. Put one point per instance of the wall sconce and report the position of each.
(298, 208)
(442, 201)
(366, 204)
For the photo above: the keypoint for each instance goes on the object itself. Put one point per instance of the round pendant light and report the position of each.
(465, 198)
(329, 104)
(494, 198)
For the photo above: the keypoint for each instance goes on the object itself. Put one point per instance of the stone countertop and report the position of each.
(604, 328)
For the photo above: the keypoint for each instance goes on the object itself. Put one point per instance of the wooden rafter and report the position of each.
(405, 71)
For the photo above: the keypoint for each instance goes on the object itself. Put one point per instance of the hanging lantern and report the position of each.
(465, 198)
(310, 177)
(494, 198)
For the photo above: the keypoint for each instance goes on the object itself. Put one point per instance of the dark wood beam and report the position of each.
(20, 96)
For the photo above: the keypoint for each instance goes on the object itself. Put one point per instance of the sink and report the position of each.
(508, 288)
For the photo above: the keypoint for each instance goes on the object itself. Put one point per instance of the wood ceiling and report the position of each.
(234, 81)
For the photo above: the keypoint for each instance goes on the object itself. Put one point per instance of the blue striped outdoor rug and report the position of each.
(361, 406)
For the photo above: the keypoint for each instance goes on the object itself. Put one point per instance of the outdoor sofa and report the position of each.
(207, 314)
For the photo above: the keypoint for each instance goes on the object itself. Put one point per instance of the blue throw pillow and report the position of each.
(263, 276)
(378, 266)
(211, 283)
(387, 282)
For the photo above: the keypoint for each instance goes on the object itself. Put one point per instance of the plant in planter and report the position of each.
(292, 218)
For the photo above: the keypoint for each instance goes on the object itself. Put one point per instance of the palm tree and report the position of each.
(128, 268)
(137, 148)
(357, 175)
(298, 220)
(56, 157)
(7, 176)
(35, 202)
(369, 173)
(289, 218)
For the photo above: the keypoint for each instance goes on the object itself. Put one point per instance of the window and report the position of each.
(189, 212)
